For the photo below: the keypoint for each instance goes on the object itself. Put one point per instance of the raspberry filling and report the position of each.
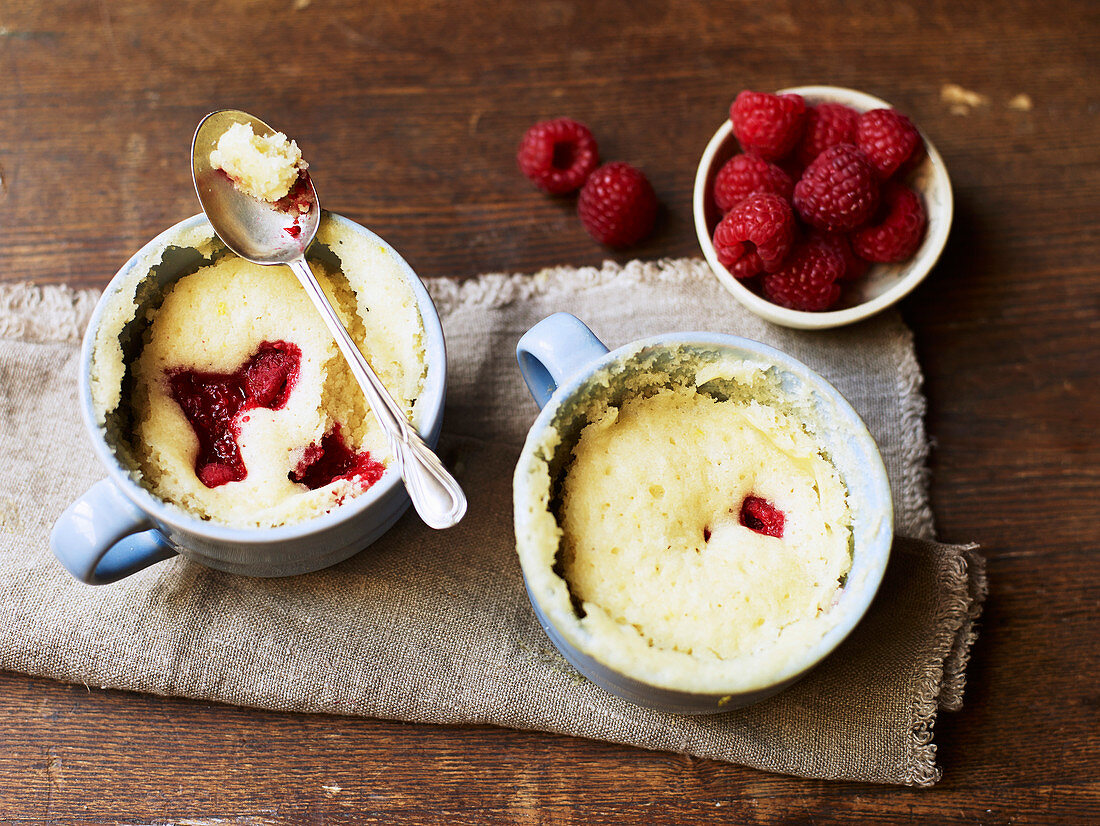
(212, 401)
(297, 201)
(758, 515)
(295, 204)
(762, 516)
(322, 464)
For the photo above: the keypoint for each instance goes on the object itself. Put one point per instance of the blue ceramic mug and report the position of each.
(118, 527)
(566, 367)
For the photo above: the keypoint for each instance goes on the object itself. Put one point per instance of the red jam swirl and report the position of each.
(332, 459)
(212, 403)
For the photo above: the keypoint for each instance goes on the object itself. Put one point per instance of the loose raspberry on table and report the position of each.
(742, 175)
(755, 235)
(558, 155)
(898, 229)
(826, 124)
(808, 279)
(767, 125)
(854, 266)
(888, 139)
(617, 205)
(838, 191)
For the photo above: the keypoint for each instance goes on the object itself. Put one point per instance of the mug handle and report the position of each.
(553, 351)
(103, 537)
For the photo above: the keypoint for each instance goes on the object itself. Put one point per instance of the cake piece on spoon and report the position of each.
(263, 166)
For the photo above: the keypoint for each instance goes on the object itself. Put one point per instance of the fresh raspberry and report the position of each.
(558, 155)
(808, 281)
(887, 138)
(827, 124)
(742, 175)
(897, 231)
(762, 516)
(617, 205)
(759, 229)
(912, 162)
(838, 191)
(767, 125)
(854, 266)
(745, 267)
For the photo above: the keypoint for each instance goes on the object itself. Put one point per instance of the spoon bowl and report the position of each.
(257, 230)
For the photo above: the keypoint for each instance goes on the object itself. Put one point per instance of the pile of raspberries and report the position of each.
(617, 204)
(816, 197)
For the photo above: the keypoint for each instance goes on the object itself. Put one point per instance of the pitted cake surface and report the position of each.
(657, 541)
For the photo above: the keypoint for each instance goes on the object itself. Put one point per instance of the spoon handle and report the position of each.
(435, 494)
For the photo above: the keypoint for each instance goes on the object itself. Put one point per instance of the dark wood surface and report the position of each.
(410, 112)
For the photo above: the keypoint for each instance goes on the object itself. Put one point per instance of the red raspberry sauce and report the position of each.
(297, 200)
(762, 516)
(324, 463)
(212, 401)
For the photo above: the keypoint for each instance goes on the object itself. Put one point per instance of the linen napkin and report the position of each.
(436, 627)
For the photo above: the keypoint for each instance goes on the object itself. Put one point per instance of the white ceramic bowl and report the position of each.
(884, 284)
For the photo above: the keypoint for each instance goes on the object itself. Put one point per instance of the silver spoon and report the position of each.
(258, 231)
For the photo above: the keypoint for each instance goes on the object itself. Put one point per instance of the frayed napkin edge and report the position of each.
(941, 683)
(914, 406)
(501, 289)
(45, 314)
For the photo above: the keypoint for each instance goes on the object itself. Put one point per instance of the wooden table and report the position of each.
(411, 112)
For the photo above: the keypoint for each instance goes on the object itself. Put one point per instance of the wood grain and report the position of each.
(410, 113)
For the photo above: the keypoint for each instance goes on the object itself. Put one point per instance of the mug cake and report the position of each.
(225, 395)
(693, 527)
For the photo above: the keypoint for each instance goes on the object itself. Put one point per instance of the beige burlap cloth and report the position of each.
(435, 627)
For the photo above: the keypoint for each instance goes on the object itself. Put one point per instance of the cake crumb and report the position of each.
(961, 100)
(1021, 103)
